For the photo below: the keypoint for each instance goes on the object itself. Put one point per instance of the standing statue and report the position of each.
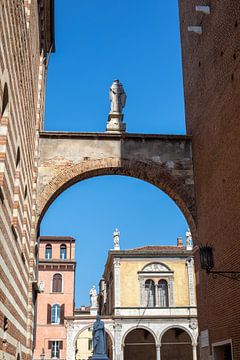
(188, 238)
(116, 236)
(99, 340)
(117, 97)
(93, 297)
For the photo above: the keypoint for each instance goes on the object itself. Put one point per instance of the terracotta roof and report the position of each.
(158, 248)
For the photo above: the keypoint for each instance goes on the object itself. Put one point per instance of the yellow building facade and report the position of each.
(147, 301)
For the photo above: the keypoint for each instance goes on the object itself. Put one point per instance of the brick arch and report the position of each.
(158, 176)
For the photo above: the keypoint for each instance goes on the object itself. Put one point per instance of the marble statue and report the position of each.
(117, 97)
(188, 238)
(99, 340)
(41, 286)
(93, 297)
(116, 236)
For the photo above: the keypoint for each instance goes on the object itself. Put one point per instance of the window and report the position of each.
(48, 252)
(150, 293)
(55, 314)
(63, 252)
(90, 345)
(55, 349)
(5, 101)
(162, 293)
(57, 283)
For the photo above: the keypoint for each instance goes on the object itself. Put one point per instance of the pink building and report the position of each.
(56, 279)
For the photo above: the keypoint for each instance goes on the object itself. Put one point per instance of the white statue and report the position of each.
(188, 238)
(116, 237)
(117, 97)
(41, 286)
(93, 297)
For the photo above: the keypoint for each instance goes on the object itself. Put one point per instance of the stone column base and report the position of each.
(115, 123)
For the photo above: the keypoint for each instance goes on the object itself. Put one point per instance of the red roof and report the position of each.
(158, 248)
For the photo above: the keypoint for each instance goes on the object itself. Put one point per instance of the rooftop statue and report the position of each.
(188, 238)
(116, 235)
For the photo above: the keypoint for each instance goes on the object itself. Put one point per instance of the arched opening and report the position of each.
(162, 290)
(150, 298)
(18, 158)
(139, 344)
(48, 251)
(57, 283)
(84, 345)
(63, 252)
(5, 102)
(90, 210)
(176, 344)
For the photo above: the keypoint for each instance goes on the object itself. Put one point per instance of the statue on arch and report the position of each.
(117, 97)
(93, 297)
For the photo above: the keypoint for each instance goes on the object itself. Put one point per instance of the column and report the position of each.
(190, 268)
(158, 352)
(194, 352)
(116, 265)
(142, 290)
(118, 338)
(171, 297)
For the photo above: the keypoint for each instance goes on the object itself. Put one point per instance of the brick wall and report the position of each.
(211, 68)
(22, 80)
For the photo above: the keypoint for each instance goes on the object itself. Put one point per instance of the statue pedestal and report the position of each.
(93, 311)
(115, 123)
(99, 357)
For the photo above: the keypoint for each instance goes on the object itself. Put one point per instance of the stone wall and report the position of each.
(211, 66)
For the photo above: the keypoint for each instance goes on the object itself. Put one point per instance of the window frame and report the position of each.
(47, 247)
(162, 272)
(63, 246)
(52, 284)
(55, 348)
(166, 294)
(57, 314)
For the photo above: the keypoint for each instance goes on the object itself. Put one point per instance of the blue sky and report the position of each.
(96, 42)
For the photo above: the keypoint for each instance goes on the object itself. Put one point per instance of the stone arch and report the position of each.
(87, 327)
(164, 266)
(178, 327)
(140, 343)
(158, 176)
(139, 327)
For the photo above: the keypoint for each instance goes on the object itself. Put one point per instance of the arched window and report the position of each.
(5, 101)
(57, 283)
(18, 158)
(63, 252)
(48, 251)
(150, 293)
(55, 314)
(163, 293)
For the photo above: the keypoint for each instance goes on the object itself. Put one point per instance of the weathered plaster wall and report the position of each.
(130, 286)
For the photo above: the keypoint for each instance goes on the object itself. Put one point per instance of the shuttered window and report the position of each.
(57, 283)
(55, 314)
